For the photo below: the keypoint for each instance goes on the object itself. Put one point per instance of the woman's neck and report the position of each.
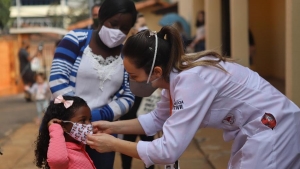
(99, 48)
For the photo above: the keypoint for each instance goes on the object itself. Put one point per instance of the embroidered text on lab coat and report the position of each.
(178, 105)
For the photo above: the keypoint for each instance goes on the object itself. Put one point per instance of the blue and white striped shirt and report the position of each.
(64, 70)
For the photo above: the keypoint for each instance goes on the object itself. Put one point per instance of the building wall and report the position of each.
(10, 82)
(267, 23)
(278, 32)
(188, 9)
(151, 18)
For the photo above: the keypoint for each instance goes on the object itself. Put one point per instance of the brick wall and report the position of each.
(9, 67)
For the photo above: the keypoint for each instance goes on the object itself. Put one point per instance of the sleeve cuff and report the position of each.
(143, 153)
(147, 123)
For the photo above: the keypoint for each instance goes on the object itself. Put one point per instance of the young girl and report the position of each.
(61, 140)
(41, 93)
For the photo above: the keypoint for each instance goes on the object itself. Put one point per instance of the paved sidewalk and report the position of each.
(207, 151)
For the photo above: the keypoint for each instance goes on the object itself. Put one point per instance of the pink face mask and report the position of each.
(79, 131)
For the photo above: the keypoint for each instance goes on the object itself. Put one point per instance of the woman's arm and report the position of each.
(200, 36)
(57, 155)
(122, 102)
(61, 70)
(132, 126)
(106, 143)
(192, 98)
(197, 40)
(102, 142)
(32, 89)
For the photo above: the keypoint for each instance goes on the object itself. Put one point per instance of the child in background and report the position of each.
(41, 92)
(62, 136)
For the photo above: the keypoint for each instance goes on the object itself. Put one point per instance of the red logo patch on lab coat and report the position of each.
(269, 120)
(229, 119)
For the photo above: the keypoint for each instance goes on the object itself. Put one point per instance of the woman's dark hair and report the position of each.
(53, 111)
(139, 49)
(110, 8)
(198, 23)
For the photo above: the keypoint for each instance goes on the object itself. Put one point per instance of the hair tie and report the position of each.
(161, 35)
(60, 99)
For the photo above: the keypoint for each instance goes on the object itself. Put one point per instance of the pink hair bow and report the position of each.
(60, 99)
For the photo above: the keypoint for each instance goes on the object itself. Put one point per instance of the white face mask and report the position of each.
(111, 37)
(79, 131)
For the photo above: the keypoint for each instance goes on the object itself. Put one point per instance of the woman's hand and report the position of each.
(101, 142)
(102, 127)
(54, 121)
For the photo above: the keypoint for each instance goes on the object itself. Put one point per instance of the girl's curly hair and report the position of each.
(53, 111)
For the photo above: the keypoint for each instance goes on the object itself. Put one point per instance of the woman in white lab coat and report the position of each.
(202, 90)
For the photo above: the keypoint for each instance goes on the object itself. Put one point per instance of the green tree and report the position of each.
(4, 12)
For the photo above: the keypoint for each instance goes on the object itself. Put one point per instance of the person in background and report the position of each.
(88, 63)
(252, 49)
(198, 44)
(41, 94)
(185, 40)
(26, 72)
(142, 105)
(139, 25)
(132, 114)
(37, 63)
(95, 10)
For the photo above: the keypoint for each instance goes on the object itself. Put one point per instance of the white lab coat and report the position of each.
(236, 101)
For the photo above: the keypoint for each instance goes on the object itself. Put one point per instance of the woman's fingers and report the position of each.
(94, 137)
(101, 142)
(90, 143)
(101, 127)
(96, 123)
(95, 130)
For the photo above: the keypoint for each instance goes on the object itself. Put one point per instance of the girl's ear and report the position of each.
(65, 130)
(66, 127)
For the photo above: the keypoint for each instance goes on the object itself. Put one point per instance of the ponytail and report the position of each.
(179, 60)
(176, 51)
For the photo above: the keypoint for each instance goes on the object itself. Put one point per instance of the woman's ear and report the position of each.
(157, 71)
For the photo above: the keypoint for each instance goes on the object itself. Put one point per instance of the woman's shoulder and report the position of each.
(79, 34)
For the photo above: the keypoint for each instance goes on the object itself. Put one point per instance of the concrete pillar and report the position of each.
(292, 60)
(239, 31)
(184, 9)
(188, 9)
(213, 25)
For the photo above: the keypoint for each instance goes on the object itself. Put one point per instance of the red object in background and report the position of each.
(269, 120)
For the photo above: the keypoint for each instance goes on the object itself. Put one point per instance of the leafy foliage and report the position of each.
(4, 12)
